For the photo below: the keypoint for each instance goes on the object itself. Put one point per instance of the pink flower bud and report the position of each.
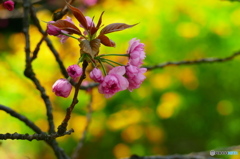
(135, 76)
(74, 71)
(114, 82)
(9, 5)
(62, 88)
(136, 52)
(96, 75)
(53, 30)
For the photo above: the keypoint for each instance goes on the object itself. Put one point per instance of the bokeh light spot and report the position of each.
(168, 104)
(224, 107)
(121, 150)
(132, 133)
(188, 30)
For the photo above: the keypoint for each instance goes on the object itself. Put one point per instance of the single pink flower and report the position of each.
(53, 30)
(9, 5)
(96, 75)
(74, 71)
(114, 82)
(135, 76)
(136, 52)
(62, 37)
(62, 88)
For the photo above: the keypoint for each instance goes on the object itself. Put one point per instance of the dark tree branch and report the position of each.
(31, 75)
(191, 62)
(58, 15)
(42, 136)
(35, 52)
(24, 119)
(29, 70)
(39, 136)
(48, 41)
(81, 141)
(62, 128)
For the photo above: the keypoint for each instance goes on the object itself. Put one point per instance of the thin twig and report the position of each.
(191, 62)
(62, 128)
(81, 141)
(36, 50)
(24, 119)
(42, 136)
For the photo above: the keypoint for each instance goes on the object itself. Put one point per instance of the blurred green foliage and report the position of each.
(178, 109)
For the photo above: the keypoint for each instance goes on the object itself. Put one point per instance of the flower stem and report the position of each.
(113, 55)
(104, 70)
(107, 60)
(70, 36)
(109, 63)
(81, 59)
(89, 57)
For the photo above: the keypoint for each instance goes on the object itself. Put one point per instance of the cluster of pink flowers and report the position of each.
(123, 77)
(118, 78)
(9, 5)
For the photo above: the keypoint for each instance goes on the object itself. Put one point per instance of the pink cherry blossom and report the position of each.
(89, 21)
(136, 52)
(135, 76)
(62, 37)
(96, 75)
(114, 82)
(74, 71)
(9, 5)
(62, 87)
(53, 30)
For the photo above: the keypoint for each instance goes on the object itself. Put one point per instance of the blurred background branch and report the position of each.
(192, 62)
(76, 152)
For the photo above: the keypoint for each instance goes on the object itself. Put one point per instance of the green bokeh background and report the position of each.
(178, 109)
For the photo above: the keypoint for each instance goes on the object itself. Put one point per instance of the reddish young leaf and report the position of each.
(115, 27)
(67, 26)
(79, 16)
(100, 20)
(106, 41)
